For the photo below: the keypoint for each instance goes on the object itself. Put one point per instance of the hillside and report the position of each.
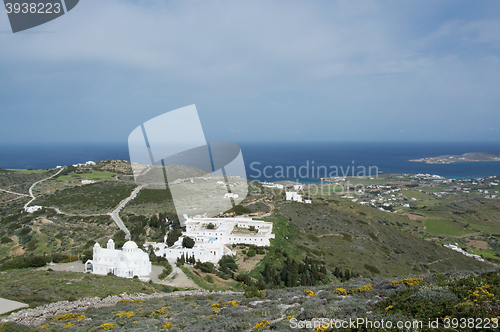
(367, 245)
(416, 300)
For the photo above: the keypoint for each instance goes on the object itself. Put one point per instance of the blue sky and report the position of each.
(257, 70)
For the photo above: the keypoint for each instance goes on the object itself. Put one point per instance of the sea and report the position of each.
(303, 162)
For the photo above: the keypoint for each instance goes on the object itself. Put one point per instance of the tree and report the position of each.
(210, 226)
(251, 252)
(187, 242)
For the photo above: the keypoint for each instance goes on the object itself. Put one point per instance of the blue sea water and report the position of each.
(387, 157)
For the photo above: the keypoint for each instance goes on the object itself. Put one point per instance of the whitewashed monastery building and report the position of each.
(128, 262)
(210, 243)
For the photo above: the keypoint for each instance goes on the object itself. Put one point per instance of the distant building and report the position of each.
(31, 209)
(210, 243)
(87, 181)
(230, 195)
(463, 252)
(293, 196)
(127, 263)
(272, 185)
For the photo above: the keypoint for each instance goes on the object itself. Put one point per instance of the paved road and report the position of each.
(11, 192)
(116, 213)
(34, 184)
(8, 305)
(175, 279)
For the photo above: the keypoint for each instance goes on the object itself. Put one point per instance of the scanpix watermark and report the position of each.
(342, 188)
(333, 179)
(27, 14)
(406, 325)
(204, 178)
(310, 170)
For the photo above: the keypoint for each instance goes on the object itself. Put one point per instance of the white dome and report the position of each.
(130, 245)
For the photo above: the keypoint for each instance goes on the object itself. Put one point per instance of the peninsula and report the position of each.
(466, 157)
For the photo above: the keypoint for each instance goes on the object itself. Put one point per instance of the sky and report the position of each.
(260, 70)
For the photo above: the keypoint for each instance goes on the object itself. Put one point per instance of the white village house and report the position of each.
(210, 243)
(128, 262)
(293, 196)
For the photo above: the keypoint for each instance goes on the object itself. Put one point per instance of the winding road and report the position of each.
(34, 184)
(11, 192)
(116, 213)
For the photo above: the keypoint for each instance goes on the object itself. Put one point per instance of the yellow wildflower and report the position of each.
(261, 324)
(340, 291)
(107, 326)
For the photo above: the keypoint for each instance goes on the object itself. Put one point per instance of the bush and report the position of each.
(23, 262)
(25, 231)
(87, 254)
(57, 258)
(206, 267)
(210, 226)
(251, 252)
(5, 240)
(209, 278)
(166, 272)
(227, 263)
(253, 291)
(187, 242)
(372, 269)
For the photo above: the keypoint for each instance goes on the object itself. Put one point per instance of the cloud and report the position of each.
(293, 64)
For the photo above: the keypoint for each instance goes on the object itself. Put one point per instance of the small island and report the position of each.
(466, 157)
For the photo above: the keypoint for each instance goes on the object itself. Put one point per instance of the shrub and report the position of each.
(251, 252)
(25, 231)
(253, 291)
(165, 273)
(206, 267)
(187, 242)
(23, 262)
(372, 269)
(227, 262)
(5, 240)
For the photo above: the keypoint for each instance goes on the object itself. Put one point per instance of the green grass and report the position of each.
(41, 287)
(484, 228)
(489, 253)
(30, 171)
(94, 175)
(285, 232)
(445, 227)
